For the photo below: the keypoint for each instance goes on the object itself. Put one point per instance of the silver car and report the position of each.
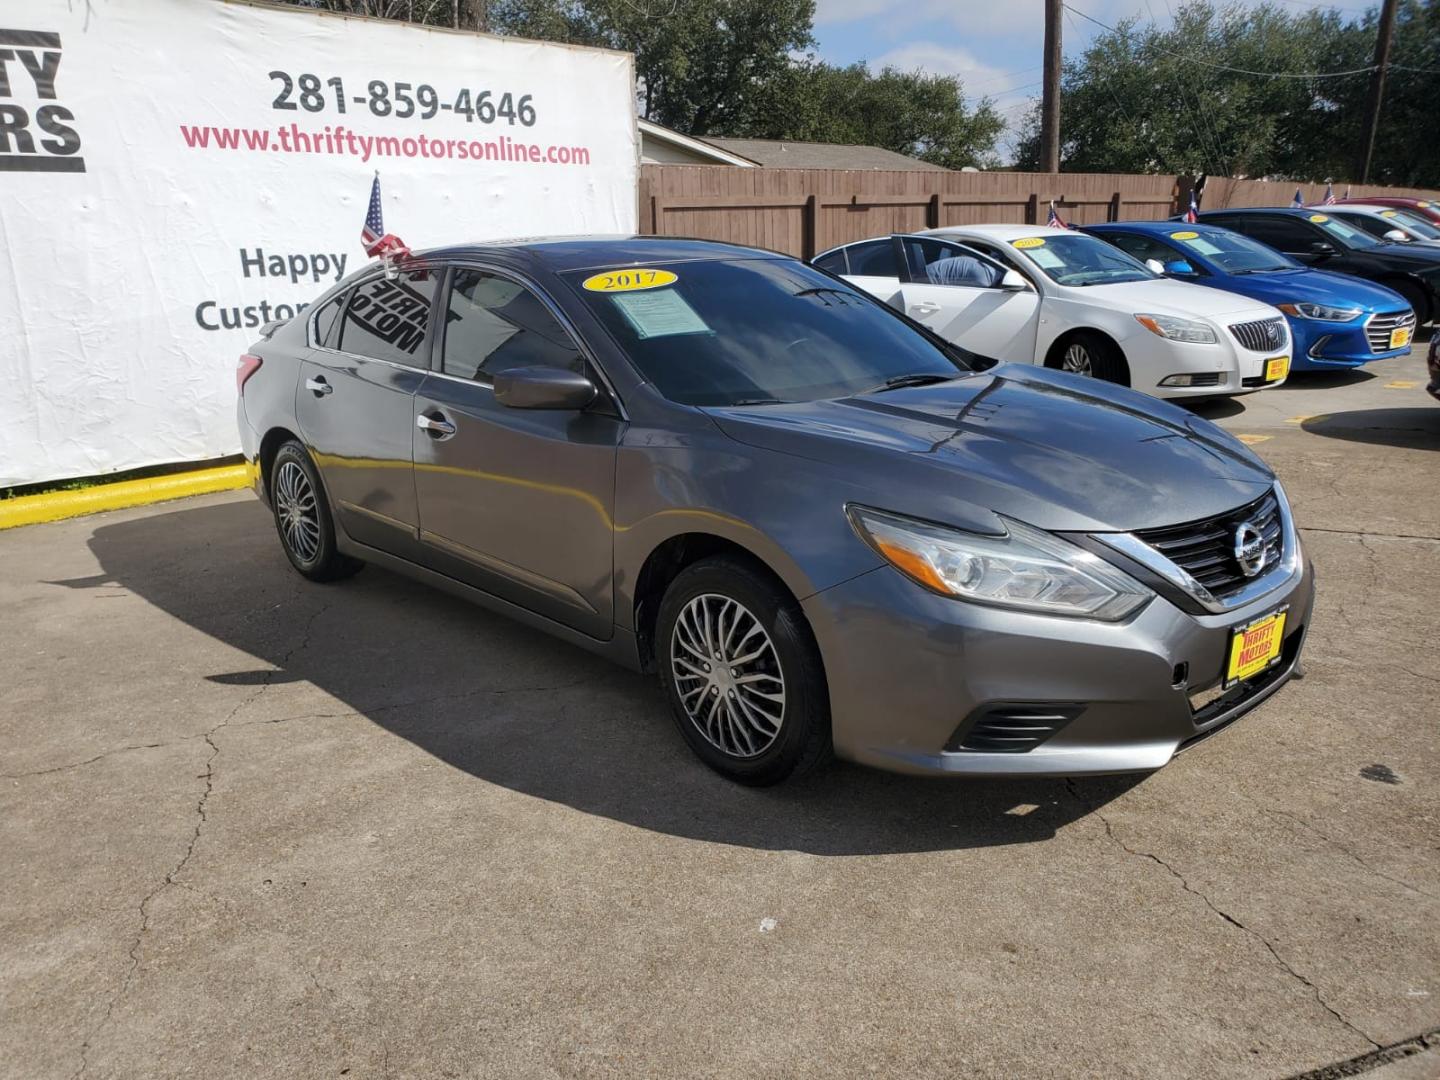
(823, 527)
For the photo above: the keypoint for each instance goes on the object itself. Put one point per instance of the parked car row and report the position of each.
(1283, 289)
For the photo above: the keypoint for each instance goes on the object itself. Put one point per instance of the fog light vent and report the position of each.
(1011, 727)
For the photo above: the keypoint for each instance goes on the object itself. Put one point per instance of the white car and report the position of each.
(1061, 298)
(1386, 223)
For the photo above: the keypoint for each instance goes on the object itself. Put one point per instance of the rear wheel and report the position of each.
(1415, 297)
(1093, 356)
(742, 673)
(303, 519)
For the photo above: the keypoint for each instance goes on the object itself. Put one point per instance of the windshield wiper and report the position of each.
(1263, 270)
(759, 401)
(897, 382)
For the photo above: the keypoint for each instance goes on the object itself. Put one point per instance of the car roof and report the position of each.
(561, 253)
(1159, 228)
(1364, 208)
(999, 232)
(1286, 211)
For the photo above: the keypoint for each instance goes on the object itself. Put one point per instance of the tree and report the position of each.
(1180, 100)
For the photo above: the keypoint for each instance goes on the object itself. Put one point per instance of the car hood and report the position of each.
(1311, 286)
(1162, 296)
(1057, 451)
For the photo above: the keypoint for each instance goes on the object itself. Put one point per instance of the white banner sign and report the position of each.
(176, 173)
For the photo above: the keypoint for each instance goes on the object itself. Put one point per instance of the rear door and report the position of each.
(955, 291)
(517, 502)
(355, 406)
(874, 265)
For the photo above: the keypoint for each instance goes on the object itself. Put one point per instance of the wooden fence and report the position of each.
(805, 211)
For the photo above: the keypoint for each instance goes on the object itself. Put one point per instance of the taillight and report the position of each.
(248, 366)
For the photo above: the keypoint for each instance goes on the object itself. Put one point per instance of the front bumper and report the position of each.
(908, 670)
(1323, 346)
(1226, 368)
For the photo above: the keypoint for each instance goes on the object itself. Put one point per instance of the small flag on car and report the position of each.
(1299, 202)
(1054, 220)
(373, 235)
(1329, 194)
(1192, 216)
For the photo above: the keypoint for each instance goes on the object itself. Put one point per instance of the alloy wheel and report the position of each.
(728, 675)
(1077, 360)
(297, 511)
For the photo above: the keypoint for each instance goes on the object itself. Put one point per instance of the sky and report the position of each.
(995, 46)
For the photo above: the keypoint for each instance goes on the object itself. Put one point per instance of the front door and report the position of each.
(956, 292)
(355, 405)
(517, 502)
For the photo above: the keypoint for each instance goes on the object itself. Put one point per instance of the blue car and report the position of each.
(1336, 320)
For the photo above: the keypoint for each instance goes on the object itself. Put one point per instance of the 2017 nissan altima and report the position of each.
(822, 525)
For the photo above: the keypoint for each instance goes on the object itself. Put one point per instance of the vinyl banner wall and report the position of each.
(175, 173)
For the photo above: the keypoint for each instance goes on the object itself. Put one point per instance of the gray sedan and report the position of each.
(824, 528)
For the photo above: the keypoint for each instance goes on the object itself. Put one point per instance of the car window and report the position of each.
(758, 331)
(387, 318)
(1403, 219)
(1144, 247)
(873, 258)
(833, 263)
(1004, 258)
(1234, 252)
(1344, 232)
(1373, 226)
(327, 317)
(1282, 233)
(943, 262)
(493, 323)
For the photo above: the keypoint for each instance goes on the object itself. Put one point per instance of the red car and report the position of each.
(1426, 208)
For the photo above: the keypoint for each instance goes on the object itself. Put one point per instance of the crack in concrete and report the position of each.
(99, 757)
(1383, 1055)
(1362, 532)
(1184, 884)
(201, 817)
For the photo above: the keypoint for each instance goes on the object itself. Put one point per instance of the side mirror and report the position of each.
(1013, 281)
(543, 388)
(1395, 236)
(1179, 266)
(1321, 247)
(1155, 266)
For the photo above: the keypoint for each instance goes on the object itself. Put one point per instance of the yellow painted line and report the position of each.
(1251, 440)
(1401, 384)
(1302, 419)
(58, 505)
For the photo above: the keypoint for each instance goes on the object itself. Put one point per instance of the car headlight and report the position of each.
(1168, 326)
(1027, 568)
(1319, 312)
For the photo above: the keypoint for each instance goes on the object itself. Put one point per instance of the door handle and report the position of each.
(319, 386)
(435, 425)
(925, 308)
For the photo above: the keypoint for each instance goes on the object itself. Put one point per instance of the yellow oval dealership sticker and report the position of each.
(629, 280)
(1029, 242)
(1423, 204)
(1387, 213)
(1184, 235)
(1317, 218)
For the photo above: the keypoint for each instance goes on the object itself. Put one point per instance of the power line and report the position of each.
(1226, 67)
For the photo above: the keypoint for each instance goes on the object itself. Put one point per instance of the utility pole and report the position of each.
(1377, 89)
(1050, 103)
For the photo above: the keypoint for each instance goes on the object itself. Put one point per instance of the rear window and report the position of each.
(756, 331)
(388, 318)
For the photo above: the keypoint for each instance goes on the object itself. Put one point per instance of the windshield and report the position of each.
(1347, 234)
(1412, 223)
(1232, 252)
(757, 331)
(1080, 260)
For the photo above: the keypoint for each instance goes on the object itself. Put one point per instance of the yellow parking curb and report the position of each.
(57, 505)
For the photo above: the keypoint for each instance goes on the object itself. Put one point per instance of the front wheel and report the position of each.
(303, 519)
(742, 673)
(1093, 356)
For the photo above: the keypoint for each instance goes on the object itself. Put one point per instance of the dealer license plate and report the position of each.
(1255, 647)
(1399, 336)
(1277, 368)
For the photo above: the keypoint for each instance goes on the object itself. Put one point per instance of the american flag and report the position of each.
(1192, 215)
(372, 234)
(1054, 220)
(1329, 194)
(1299, 201)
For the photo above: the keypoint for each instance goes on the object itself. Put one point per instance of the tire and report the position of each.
(302, 517)
(742, 735)
(1094, 355)
(1415, 297)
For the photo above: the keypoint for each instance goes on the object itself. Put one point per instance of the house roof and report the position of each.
(703, 148)
(779, 154)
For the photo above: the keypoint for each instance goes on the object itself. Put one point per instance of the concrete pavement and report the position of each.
(253, 826)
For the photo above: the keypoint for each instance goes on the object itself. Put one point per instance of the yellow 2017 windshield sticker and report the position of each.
(1029, 242)
(1184, 235)
(1318, 218)
(629, 280)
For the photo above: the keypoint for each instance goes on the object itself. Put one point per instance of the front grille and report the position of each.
(1377, 330)
(1011, 727)
(1263, 335)
(1206, 549)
